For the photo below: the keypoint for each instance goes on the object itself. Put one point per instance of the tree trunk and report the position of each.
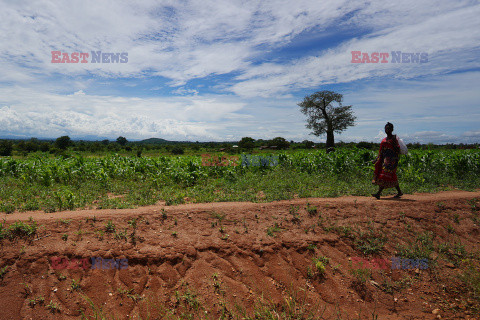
(330, 139)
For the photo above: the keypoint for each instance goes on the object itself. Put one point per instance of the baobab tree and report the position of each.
(323, 116)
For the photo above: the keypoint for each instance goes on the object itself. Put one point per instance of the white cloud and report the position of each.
(426, 35)
(32, 113)
(187, 40)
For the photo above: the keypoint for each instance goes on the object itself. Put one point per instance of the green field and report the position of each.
(40, 182)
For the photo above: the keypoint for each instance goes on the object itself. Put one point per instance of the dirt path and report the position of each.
(348, 200)
(202, 261)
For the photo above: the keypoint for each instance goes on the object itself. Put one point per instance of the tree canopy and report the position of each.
(122, 141)
(323, 116)
(63, 142)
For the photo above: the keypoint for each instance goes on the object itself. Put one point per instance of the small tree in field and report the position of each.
(63, 142)
(122, 141)
(247, 143)
(6, 148)
(323, 117)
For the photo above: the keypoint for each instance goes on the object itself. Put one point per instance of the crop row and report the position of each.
(188, 169)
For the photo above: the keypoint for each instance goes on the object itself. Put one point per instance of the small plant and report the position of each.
(164, 215)
(370, 242)
(110, 227)
(323, 259)
(65, 237)
(65, 221)
(121, 235)
(473, 204)
(190, 300)
(79, 234)
(61, 277)
(245, 225)
(361, 274)
(133, 223)
(27, 290)
(471, 278)
(273, 229)
(75, 285)
(175, 234)
(32, 302)
(456, 218)
(311, 247)
(310, 273)
(320, 267)
(294, 212)
(3, 271)
(216, 283)
(20, 229)
(124, 291)
(421, 248)
(225, 236)
(100, 234)
(312, 211)
(293, 209)
(135, 297)
(53, 307)
(320, 264)
(220, 217)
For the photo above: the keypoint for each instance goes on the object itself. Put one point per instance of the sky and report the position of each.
(215, 70)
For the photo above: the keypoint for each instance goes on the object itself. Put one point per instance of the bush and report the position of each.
(6, 148)
(177, 150)
(63, 142)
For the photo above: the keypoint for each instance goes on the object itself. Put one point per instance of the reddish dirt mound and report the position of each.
(229, 260)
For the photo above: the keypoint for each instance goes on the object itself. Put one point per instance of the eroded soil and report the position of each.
(229, 260)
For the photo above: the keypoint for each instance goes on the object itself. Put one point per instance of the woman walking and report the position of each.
(385, 175)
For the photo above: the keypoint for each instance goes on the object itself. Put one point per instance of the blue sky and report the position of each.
(221, 70)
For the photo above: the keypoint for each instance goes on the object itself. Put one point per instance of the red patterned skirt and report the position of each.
(386, 171)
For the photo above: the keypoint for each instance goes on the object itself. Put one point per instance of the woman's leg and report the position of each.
(377, 195)
(399, 192)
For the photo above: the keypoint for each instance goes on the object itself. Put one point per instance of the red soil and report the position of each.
(234, 262)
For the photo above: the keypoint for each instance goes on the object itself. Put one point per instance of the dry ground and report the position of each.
(221, 259)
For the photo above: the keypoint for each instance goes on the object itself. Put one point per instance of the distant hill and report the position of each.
(158, 141)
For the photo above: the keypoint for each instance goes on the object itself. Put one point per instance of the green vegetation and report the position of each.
(42, 182)
(471, 278)
(53, 307)
(362, 274)
(3, 271)
(271, 231)
(320, 264)
(18, 229)
(369, 242)
(75, 285)
(110, 227)
(421, 248)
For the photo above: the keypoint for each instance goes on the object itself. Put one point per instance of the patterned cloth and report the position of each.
(386, 166)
